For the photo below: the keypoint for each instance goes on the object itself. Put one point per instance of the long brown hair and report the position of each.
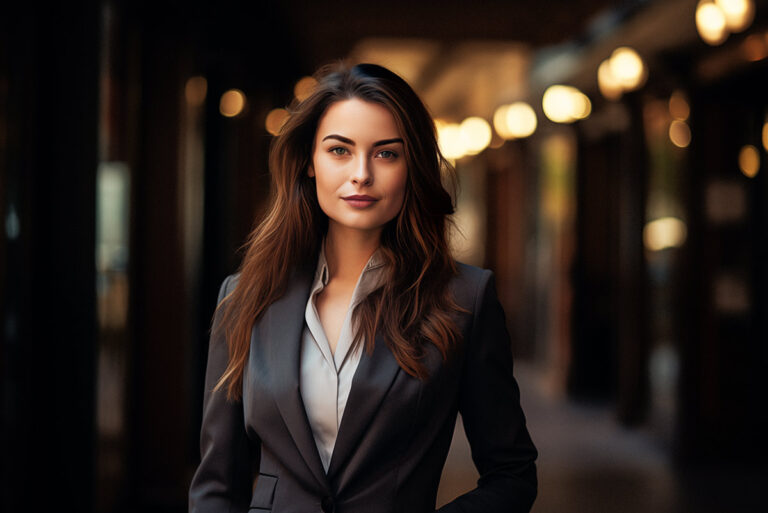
(413, 306)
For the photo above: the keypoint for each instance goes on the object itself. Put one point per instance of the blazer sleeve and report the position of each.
(222, 482)
(489, 402)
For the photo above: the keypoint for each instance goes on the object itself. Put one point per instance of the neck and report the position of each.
(348, 250)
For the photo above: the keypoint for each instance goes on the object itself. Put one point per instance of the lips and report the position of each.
(359, 200)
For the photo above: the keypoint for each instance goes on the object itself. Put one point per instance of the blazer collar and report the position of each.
(373, 378)
(285, 321)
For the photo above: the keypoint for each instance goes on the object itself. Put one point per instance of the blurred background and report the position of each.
(612, 164)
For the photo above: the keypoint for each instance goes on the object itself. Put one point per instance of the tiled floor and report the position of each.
(588, 463)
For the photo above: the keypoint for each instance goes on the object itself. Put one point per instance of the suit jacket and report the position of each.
(396, 430)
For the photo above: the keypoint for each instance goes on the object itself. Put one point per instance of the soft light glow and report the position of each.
(500, 122)
(449, 140)
(710, 22)
(565, 104)
(232, 103)
(738, 13)
(627, 68)
(609, 86)
(755, 48)
(749, 161)
(496, 142)
(475, 134)
(275, 120)
(680, 133)
(582, 107)
(678, 106)
(765, 136)
(195, 91)
(521, 120)
(663, 233)
(304, 88)
(557, 104)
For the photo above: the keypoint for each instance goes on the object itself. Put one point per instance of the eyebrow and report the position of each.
(349, 141)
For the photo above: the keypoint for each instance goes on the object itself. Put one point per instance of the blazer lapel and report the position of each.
(372, 380)
(285, 319)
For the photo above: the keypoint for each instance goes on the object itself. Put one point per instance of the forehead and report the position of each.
(358, 119)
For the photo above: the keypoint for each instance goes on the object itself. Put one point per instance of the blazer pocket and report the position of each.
(264, 492)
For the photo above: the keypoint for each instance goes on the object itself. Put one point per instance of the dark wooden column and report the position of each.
(508, 192)
(158, 419)
(50, 75)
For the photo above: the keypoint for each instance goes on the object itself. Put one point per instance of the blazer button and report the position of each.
(327, 505)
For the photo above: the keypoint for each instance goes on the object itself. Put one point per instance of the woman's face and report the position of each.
(359, 167)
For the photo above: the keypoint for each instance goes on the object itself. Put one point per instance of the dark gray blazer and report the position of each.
(395, 432)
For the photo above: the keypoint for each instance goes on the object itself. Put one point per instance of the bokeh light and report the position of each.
(304, 88)
(232, 103)
(749, 161)
(500, 122)
(678, 106)
(663, 233)
(275, 120)
(449, 140)
(475, 133)
(680, 133)
(755, 47)
(627, 68)
(195, 91)
(610, 88)
(565, 104)
(710, 22)
(765, 136)
(515, 121)
(738, 13)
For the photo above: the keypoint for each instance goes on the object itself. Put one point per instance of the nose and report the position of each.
(362, 173)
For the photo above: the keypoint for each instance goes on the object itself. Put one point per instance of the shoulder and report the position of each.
(228, 285)
(469, 284)
(300, 276)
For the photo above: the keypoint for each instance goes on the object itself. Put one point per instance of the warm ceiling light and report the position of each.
(565, 104)
(521, 120)
(711, 23)
(304, 88)
(609, 86)
(275, 120)
(680, 133)
(500, 122)
(449, 140)
(765, 136)
(627, 68)
(749, 161)
(195, 91)
(582, 107)
(558, 104)
(678, 106)
(515, 121)
(475, 134)
(738, 13)
(663, 233)
(232, 103)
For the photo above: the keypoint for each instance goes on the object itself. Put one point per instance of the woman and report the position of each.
(342, 351)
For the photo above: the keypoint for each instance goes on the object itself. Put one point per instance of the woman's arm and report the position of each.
(222, 482)
(489, 403)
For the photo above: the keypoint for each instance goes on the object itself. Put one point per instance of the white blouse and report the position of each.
(326, 377)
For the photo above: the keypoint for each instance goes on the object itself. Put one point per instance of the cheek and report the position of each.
(324, 178)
